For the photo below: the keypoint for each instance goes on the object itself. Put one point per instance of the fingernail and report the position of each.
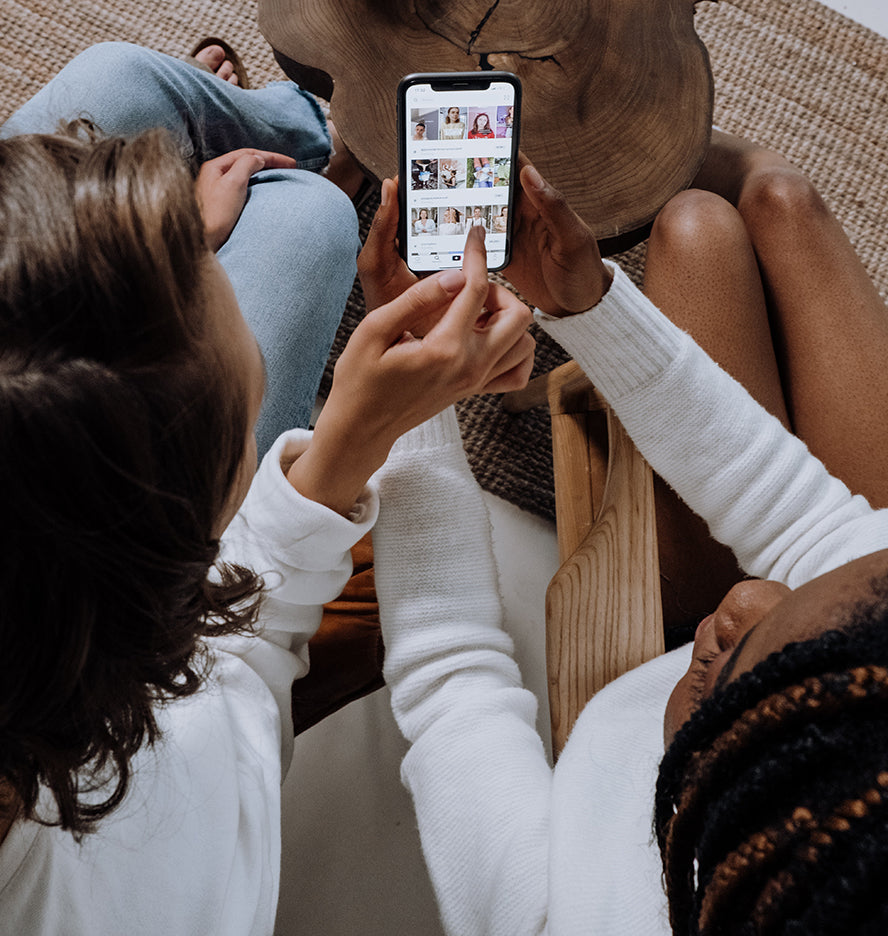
(452, 281)
(384, 194)
(534, 178)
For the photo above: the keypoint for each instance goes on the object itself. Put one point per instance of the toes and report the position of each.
(225, 71)
(212, 56)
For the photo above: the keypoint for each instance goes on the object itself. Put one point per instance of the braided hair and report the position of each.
(771, 809)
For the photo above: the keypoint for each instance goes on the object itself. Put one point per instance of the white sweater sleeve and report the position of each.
(757, 486)
(477, 770)
(301, 550)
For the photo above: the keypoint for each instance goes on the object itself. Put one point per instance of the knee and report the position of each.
(110, 63)
(775, 192)
(123, 86)
(698, 222)
(105, 84)
(326, 215)
(314, 223)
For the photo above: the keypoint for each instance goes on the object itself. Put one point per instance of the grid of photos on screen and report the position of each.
(459, 164)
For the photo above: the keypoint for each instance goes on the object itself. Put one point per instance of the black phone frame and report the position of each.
(449, 81)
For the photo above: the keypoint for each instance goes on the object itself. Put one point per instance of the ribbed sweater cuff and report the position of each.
(623, 342)
(436, 433)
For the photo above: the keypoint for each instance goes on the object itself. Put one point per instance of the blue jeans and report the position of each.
(291, 256)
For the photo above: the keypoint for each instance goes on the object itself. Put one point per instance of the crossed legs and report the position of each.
(767, 281)
(292, 255)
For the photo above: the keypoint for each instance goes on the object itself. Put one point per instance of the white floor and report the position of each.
(871, 13)
(352, 862)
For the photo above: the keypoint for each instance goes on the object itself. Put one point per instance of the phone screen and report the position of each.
(459, 146)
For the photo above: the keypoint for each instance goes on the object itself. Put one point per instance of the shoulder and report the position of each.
(173, 833)
(603, 792)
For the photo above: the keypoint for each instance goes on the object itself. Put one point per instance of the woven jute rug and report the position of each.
(790, 74)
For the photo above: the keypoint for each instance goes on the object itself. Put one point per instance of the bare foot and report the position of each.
(213, 57)
(343, 169)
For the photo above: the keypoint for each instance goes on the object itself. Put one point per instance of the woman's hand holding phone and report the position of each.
(383, 273)
(556, 264)
(428, 344)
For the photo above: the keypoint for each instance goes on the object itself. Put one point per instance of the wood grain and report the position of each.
(617, 96)
(603, 612)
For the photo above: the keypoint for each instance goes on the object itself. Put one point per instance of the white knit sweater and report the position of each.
(196, 846)
(514, 847)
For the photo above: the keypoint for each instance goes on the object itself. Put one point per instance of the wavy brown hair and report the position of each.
(123, 431)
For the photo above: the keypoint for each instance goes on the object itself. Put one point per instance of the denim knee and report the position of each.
(311, 216)
(117, 59)
(117, 86)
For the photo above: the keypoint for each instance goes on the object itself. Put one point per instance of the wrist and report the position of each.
(604, 277)
(334, 469)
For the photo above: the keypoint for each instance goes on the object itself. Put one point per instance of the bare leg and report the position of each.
(702, 272)
(829, 323)
(343, 169)
(775, 293)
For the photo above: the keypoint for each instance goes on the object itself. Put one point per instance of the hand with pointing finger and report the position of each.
(388, 380)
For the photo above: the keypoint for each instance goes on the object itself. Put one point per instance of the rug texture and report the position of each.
(790, 74)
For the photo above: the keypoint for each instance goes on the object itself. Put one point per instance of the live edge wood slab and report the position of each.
(618, 94)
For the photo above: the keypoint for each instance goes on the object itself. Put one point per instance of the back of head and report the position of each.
(122, 435)
(772, 801)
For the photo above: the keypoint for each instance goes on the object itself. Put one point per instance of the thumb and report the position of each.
(414, 306)
(563, 223)
(385, 222)
(384, 227)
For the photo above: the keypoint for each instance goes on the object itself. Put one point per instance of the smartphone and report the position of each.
(458, 157)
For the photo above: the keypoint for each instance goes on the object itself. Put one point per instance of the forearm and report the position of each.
(334, 470)
(477, 770)
(756, 485)
(301, 550)
(436, 578)
(300, 547)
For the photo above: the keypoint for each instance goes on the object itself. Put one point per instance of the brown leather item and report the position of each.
(347, 652)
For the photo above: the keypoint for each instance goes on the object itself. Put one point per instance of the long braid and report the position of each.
(752, 856)
(813, 739)
(804, 839)
(847, 882)
(773, 781)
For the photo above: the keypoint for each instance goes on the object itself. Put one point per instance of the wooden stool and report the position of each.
(617, 96)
